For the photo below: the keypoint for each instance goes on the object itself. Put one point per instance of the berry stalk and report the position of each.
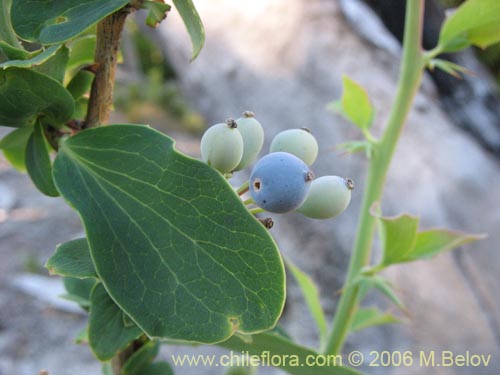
(411, 70)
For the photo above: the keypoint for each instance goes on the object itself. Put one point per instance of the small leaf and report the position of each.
(278, 346)
(81, 108)
(8, 52)
(26, 95)
(385, 288)
(311, 295)
(356, 105)
(369, 317)
(486, 35)
(81, 52)
(193, 263)
(157, 12)
(158, 368)
(38, 163)
(107, 368)
(241, 370)
(449, 67)
(83, 336)
(107, 334)
(397, 236)
(193, 24)
(72, 258)
(474, 22)
(432, 242)
(13, 146)
(141, 359)
(79, 290)
(33, 59)
(6, 31)
(55, 21)
(80, 84)
(352, 147)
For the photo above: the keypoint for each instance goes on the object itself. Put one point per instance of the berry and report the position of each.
(279, 182)
(328, 197)
(299, 142)
(253, 138)
(222, 146)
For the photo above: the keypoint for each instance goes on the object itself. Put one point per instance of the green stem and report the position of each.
(248, 202)
(243, 188)
(412, 65)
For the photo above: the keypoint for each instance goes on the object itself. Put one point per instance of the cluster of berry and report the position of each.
(281, 181)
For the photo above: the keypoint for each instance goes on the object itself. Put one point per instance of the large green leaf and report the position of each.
(474, 22)
(107, 334)
(299, 360)
(193, 24)
(72, 258)
(26, 95)
(13, 146)
(311, 295)
(172, 242)
(38, 163)
(55, 21)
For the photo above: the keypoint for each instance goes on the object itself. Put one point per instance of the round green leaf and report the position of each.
(13, 146)
(26, 95)
(55, 21)
(171, 241)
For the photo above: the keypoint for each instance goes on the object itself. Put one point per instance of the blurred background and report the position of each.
(284, 60)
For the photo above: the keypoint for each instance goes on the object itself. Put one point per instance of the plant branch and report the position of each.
(412, 65)
(109, 32)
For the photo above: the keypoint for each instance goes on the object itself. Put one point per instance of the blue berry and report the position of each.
(279, 182)
(328, 197)
(299, 142)
(222, 146)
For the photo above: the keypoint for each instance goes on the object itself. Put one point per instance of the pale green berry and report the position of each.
(253, 139)
(222, 146)
(299, 142)
(328, 197)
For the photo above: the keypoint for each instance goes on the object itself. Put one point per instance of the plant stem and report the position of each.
(248, 202)
(412, 65)
(243, 188)
(109, 32)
